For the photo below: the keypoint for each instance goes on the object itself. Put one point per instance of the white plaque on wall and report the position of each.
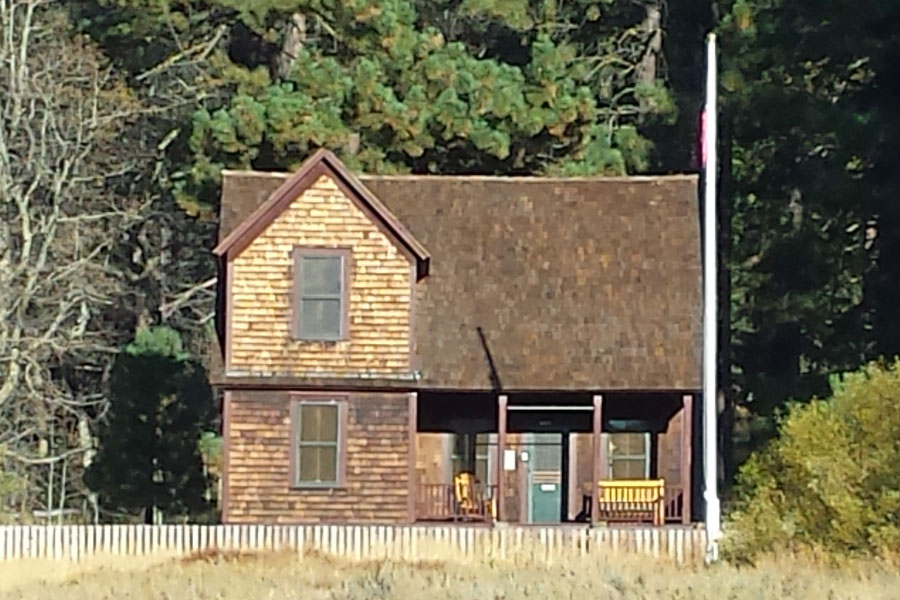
(509, 460)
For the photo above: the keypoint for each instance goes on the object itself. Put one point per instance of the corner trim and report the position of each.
(226, 454)
(413, 424)
(229, 314)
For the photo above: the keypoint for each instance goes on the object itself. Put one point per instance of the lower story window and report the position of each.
(628, 455)
(318, 443)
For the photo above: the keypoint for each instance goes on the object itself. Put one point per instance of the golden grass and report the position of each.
(288, 576)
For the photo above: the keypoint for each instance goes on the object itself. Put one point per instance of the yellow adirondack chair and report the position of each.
(469, 500)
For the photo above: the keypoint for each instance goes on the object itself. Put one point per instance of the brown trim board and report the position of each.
(687, 456)
(412, 409)
(226, 445)
(229, 314)
(596, 458)
(502, 403)
(413, 358)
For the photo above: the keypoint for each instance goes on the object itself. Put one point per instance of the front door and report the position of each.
(544, 470)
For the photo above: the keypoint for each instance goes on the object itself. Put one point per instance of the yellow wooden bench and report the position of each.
(632, 500)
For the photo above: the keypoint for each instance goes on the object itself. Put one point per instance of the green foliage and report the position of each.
(831, 480)
(211, 450)
(157, 341)
(809, 95)
(486, 86)
(11, 485)
(149, 444)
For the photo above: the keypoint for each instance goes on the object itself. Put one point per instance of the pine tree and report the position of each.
(149, 457)
(429, 86)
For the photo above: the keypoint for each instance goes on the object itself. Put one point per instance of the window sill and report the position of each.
(318, 487)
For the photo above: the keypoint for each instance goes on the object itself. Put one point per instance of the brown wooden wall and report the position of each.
(434, 453)
(258, 447)
(380, 294)
(668, 464)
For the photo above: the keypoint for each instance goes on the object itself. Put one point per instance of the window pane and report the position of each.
(321, 275)
(318, 464)
(309, 464)
(320, 318)
(481, 471)
(318, 423)
(327, 463)
(629, 468)
(628, 444)
(547, 457)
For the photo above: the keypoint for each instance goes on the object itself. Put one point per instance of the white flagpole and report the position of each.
(710, 280)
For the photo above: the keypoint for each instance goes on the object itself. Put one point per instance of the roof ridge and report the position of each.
(504, 178)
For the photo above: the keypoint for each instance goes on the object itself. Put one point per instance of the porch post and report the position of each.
(501, 452)
(687, 437)
(596, 458)
(564, 478)
(412, 491)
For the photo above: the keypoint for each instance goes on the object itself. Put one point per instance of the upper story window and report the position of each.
(321, 293)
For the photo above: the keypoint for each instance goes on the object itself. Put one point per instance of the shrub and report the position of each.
(831, 480)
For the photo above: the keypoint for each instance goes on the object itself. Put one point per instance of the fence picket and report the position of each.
(80, 542)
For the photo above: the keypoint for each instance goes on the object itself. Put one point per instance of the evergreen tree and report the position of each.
(149, 455)
(441, 86)
(808, 91)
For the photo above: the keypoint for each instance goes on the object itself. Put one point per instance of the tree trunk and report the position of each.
(651, 27)
(294, 39)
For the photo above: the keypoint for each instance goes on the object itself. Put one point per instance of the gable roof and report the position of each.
(322, 162)
(561, 284)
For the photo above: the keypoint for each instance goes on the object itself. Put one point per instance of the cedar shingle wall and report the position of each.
(379, 337)
(259, 479)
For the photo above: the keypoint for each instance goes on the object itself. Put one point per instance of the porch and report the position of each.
(529, 458)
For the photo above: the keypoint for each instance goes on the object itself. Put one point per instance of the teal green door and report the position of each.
(545, 499)
(544, 478)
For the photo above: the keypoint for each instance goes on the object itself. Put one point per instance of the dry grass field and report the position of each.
(288, 576)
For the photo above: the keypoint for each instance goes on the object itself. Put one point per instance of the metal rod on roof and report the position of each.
(710, 330)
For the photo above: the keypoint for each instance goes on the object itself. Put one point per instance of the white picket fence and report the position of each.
(78, 542)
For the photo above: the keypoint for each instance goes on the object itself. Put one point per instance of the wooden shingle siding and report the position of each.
(262, 290)
(259, 477)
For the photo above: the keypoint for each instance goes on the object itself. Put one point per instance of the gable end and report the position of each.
(321, 163)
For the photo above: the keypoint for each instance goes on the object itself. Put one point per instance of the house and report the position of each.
(380, 335)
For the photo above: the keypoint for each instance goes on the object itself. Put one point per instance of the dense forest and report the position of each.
(118, 116)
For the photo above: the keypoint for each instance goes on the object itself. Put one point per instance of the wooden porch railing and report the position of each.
(674, 504)
(437, 502)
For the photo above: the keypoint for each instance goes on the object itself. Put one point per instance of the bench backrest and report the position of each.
(632, 490)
